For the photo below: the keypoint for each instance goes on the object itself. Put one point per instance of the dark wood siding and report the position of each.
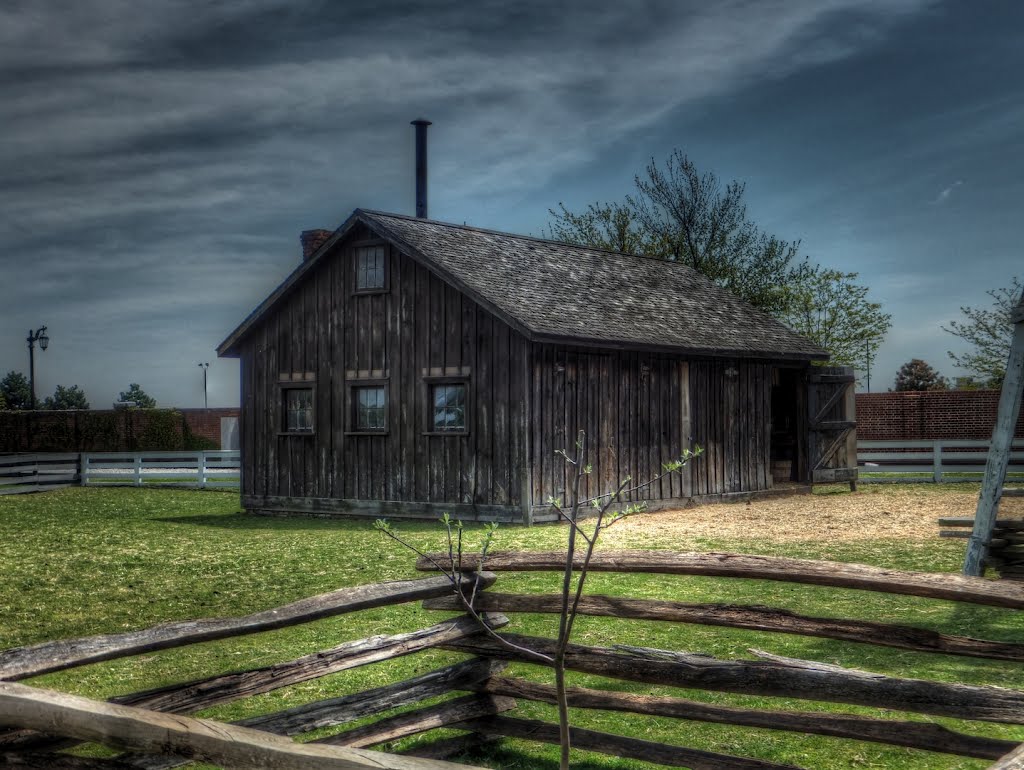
(730, 404)
(630, 407)
(325, 334)
(639, 411)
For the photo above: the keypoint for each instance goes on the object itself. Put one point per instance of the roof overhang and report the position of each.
(229, 347)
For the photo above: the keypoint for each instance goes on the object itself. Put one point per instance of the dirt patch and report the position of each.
(872, 513)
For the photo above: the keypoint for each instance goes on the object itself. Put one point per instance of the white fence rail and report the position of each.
(20, 473)
(940, 461)
(37, 472)
(177, 469)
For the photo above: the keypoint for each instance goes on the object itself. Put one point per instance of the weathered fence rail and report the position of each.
(480, 702)
(940, 461)
(37, 472)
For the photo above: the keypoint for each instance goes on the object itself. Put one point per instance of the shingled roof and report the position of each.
(558, 292)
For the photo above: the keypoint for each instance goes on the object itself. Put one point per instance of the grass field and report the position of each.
(87, 561)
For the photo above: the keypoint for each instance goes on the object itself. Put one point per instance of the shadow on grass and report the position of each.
(507, 757)
(282, 523)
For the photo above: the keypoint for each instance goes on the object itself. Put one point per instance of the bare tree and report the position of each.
(605, 510)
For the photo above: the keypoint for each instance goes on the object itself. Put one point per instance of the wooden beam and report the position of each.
(59, 762)
(915, 735)
(192, 696)
(336, 711)
(999, 450)
(420, 720)
(781, 677)
(757, 618)
(446, 748)
(21, 662)
(958, 588)
(200, 694)
(1012, 761)
(619, 746)
(201, 739)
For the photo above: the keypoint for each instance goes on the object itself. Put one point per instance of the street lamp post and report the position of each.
(39, 335)
(206, 402)
(867, 352)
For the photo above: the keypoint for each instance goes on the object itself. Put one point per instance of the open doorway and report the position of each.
(787, 410)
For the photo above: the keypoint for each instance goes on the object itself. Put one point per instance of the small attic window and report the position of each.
(370, 268)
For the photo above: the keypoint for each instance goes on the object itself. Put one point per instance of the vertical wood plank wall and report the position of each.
(731, 417)
(323, 333)
(641, 410)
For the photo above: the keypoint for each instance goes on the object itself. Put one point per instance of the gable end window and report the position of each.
(371, 263)
(298, 410)
(447, 406)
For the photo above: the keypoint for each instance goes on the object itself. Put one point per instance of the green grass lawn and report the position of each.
(88, 561)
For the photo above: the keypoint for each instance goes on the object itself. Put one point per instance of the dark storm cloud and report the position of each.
(159, 158)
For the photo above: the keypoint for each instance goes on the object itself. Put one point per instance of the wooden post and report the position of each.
(850, 413)
(201, 467)
(138, 470)
(999, 451)
(83, 469)
(686, 426)
(937, 461)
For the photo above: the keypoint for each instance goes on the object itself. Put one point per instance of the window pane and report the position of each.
(449, 407)
(370, 267)
(371, 410)
(298, 410)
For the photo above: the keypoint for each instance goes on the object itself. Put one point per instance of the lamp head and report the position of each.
(44, 341)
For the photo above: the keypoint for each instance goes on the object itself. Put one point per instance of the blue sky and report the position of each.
(159, 159)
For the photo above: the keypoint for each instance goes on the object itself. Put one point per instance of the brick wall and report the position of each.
(206, 422)
(950, 414)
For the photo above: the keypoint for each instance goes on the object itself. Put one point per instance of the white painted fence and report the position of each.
(939, 461)
(177, 469)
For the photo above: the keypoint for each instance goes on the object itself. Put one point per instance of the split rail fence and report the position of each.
(940, 461)
(481, 699)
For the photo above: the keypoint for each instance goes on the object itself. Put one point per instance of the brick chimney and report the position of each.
(313, 240)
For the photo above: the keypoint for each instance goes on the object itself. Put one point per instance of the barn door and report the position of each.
(832, 425)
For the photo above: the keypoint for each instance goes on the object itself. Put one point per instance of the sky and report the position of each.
(159, 158)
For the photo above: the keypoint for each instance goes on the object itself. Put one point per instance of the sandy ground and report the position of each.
(873, 512)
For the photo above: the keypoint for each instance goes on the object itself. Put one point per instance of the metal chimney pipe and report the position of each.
(421, 167)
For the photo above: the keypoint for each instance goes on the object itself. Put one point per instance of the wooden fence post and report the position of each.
(999, 452)
(83, 469)
(138, 470)
(937, 461)
(201, 463)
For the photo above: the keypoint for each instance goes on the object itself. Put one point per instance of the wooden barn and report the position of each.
(410, 367)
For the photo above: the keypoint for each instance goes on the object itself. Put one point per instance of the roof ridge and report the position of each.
(537, 239)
